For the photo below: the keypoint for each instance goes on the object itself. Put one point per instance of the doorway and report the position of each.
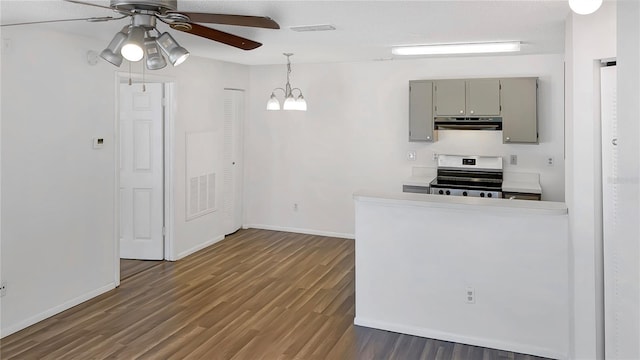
(144, 162)
(233, 160)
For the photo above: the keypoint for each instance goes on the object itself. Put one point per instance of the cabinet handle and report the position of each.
(472, 111)
(508, 139)
(428, 137)
(614, 142)
(461, 111)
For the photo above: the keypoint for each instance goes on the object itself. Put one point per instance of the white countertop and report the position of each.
(521, 182)
(417, 181)
(463, 202)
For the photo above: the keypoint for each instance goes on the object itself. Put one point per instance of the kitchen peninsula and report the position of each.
(486, 272)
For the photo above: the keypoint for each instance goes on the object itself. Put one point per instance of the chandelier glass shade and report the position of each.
(585, 7)
(291, 102)
(138, 41)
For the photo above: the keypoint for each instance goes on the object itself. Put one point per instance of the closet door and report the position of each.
(233, 159)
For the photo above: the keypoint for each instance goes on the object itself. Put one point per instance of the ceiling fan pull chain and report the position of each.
(130, 82)
(144, 84)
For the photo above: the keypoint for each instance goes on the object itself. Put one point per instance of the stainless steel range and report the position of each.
(479, 176)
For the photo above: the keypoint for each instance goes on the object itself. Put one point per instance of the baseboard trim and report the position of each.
(445, 336)
(198, 247)
(55, 310)
(299, 231)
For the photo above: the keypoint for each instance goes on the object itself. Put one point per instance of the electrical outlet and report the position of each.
(470, 295)
(295, 206)
(435, 156)
(411, 155)
(3, 288)
(513, 159)
(550, 161)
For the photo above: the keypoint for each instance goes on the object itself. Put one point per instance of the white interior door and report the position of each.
(141, 172)
(233, 159)
(610, 207)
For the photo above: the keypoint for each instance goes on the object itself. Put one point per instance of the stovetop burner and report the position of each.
(479, 176)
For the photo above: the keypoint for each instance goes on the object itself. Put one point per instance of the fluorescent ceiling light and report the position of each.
(470, 48)
(322, 27)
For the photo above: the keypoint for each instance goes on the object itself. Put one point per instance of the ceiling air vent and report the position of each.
(323, 27)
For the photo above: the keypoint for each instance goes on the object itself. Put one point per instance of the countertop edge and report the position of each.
(466, 203)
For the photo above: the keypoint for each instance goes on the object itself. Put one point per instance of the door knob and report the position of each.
(508, 139)
(233, 163)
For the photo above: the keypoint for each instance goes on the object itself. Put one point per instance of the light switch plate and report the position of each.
(513, 159)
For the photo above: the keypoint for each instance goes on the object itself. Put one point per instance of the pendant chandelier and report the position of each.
(291, 102)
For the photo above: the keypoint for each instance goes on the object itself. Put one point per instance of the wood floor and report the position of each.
(129, 267)
(256, 295)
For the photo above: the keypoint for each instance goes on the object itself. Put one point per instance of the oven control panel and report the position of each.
(470, 162)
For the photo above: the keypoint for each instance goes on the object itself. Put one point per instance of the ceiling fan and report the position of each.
(141, 37)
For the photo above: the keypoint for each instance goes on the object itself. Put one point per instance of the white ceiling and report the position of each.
(365, 30)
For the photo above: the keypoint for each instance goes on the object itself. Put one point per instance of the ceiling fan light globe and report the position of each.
(176, 53)
(585, 7)
(112, 52)
(273, 103)
(156, 63)
(111, 57)
(132, 48)
(132, 52)
(155, 60)
(178, 56)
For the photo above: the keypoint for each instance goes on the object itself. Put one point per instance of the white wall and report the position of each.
(57, 192)
(354, 136)
(414, 263)
(589, 38)
(200, 90)
(57, 203)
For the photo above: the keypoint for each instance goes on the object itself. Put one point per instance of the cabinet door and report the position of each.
(483, 97)
(450, 98)
(519, 110)
(421, 111)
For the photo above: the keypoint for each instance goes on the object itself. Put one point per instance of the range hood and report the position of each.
(467, 123)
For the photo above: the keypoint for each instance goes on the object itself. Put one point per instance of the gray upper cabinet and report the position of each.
(483, 97)
(421, 111)
(519, 110)
(450, 97)
(467, 98)
(515, 100)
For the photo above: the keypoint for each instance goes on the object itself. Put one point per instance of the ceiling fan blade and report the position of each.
(220, 36)
(91, 19)
(224, 19)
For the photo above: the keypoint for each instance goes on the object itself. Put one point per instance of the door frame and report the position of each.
(168, 161)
